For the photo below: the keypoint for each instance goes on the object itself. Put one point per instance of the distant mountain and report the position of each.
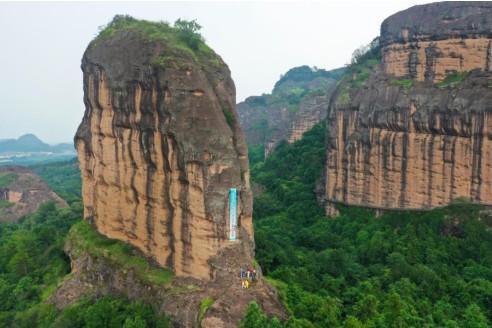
(299, 101)
(31, 143)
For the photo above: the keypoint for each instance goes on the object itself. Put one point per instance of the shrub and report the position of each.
(188, 33)
(7, 178)
(452, 80)
(205, 304)
(85, 239)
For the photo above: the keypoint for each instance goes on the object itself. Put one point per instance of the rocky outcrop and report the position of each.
(418, 133)
(97, 272)
(298, 101)
(426, 42)
(22, 192)
(160, 146)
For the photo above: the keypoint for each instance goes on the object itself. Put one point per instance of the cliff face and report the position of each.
(160, 146)
(22, 192)
(427, 42)
(99, 269)
(417, 133)
(298, 101)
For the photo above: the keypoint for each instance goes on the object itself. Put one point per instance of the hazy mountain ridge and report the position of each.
(31, 143)
(298, 101)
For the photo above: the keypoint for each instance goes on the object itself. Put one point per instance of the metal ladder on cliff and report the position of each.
(232, 214)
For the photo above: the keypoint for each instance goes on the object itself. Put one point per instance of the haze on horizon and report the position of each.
(42, 45)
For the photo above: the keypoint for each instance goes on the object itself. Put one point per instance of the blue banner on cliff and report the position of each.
(232, 213)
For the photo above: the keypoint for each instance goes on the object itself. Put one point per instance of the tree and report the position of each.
(353, 322)
(255, 318)
(474, 318)
(366, 308)
(188, 32)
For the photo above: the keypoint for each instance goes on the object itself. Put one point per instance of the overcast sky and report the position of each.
(42, 45)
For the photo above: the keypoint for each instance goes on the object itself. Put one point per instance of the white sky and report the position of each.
(41, 45)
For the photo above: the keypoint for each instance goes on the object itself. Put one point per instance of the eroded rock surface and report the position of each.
(22, 192)
(403, 141)
(180, 299)
(426, 42)
(159, 147)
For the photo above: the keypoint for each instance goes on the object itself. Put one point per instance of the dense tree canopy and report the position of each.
(403, 269)
(32, 263)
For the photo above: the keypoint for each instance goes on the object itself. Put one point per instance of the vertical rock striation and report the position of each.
(418, 133)
(426, 42)
(159, 147)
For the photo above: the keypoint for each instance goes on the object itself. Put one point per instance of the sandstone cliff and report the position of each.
(160, 146)
(298, 101)
(103, 267)
(415, 133)
(22, 192)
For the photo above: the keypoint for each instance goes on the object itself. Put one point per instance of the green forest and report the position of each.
(402, 269)
(32, 264)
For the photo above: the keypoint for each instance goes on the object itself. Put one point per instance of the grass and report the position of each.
(293, 108)
(184, 289)
(5, 204)
(361, 72)
(85, 239)
(205, 304)
(162, 61)
(452, 80)
(405, 83)
(255, 264)
(229, 116)
(182, 42)
(7, 178)
(343, 97)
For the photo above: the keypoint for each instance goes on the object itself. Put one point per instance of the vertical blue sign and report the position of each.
(232, 213)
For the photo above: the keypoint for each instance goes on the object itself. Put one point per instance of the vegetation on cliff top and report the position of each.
(303, 75)
(295, 85)
(364, 60)
(290, 90)
(183, 36)
(404, 269)
(7, 178)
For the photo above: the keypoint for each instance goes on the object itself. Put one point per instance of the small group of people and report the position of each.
(247, 276)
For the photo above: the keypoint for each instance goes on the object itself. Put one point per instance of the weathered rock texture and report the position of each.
(400, 144)
(298, 101)
(159, 147)
(426, 42)
(96, 275)
(24, 194)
